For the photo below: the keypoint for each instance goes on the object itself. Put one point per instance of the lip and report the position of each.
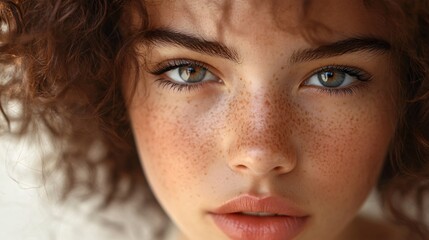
(285, 225)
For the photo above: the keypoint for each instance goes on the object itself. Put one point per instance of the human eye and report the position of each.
(184, 74)
(337, 79)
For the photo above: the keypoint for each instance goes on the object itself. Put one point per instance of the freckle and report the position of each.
(267, 103)
(282, 67)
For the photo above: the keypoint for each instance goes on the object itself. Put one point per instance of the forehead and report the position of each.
(328, 19)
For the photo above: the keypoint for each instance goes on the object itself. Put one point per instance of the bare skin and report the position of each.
(258, 117)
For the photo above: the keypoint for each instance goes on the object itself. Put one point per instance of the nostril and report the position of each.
(258, 162)
(278, 168)
(243, 168)
(240, 167)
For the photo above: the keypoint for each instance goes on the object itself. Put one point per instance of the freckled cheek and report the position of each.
(175, 149)
(346, 150)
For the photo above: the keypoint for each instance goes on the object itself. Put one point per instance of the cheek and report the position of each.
(176, 148)
(345, 147)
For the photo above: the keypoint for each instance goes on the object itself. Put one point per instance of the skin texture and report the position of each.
(260, 129)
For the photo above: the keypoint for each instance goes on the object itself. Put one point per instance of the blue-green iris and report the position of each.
(191, 74)
(331, 79)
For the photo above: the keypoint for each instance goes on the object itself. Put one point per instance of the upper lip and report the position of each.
(255, 204)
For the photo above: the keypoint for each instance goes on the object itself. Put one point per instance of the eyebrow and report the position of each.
(198, 44)
(163, 36)
(350, 45)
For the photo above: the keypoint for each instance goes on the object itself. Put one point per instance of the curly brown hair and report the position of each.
(63, 61)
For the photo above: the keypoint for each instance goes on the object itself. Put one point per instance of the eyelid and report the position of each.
(165, 80)
(171, 64)
(361, 76)
(357, 72)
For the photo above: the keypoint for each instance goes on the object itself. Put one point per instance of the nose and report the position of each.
(261, 162)
(260, 138)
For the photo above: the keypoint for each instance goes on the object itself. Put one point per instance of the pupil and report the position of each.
(192, 74)
(331, 79)
(186, 72)
(191, 70)
(327, 75)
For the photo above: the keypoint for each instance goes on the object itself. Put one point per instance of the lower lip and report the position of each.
(240, 227)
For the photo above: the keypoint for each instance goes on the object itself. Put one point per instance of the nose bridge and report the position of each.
(260, 132)
(258, 120)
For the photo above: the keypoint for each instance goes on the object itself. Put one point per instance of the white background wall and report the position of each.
(27, 212)
(23, 214)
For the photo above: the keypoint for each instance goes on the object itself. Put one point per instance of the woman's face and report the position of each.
(263, 119)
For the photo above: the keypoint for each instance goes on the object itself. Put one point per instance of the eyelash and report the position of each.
(361, 75)
(159, 70)
(173, 64)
